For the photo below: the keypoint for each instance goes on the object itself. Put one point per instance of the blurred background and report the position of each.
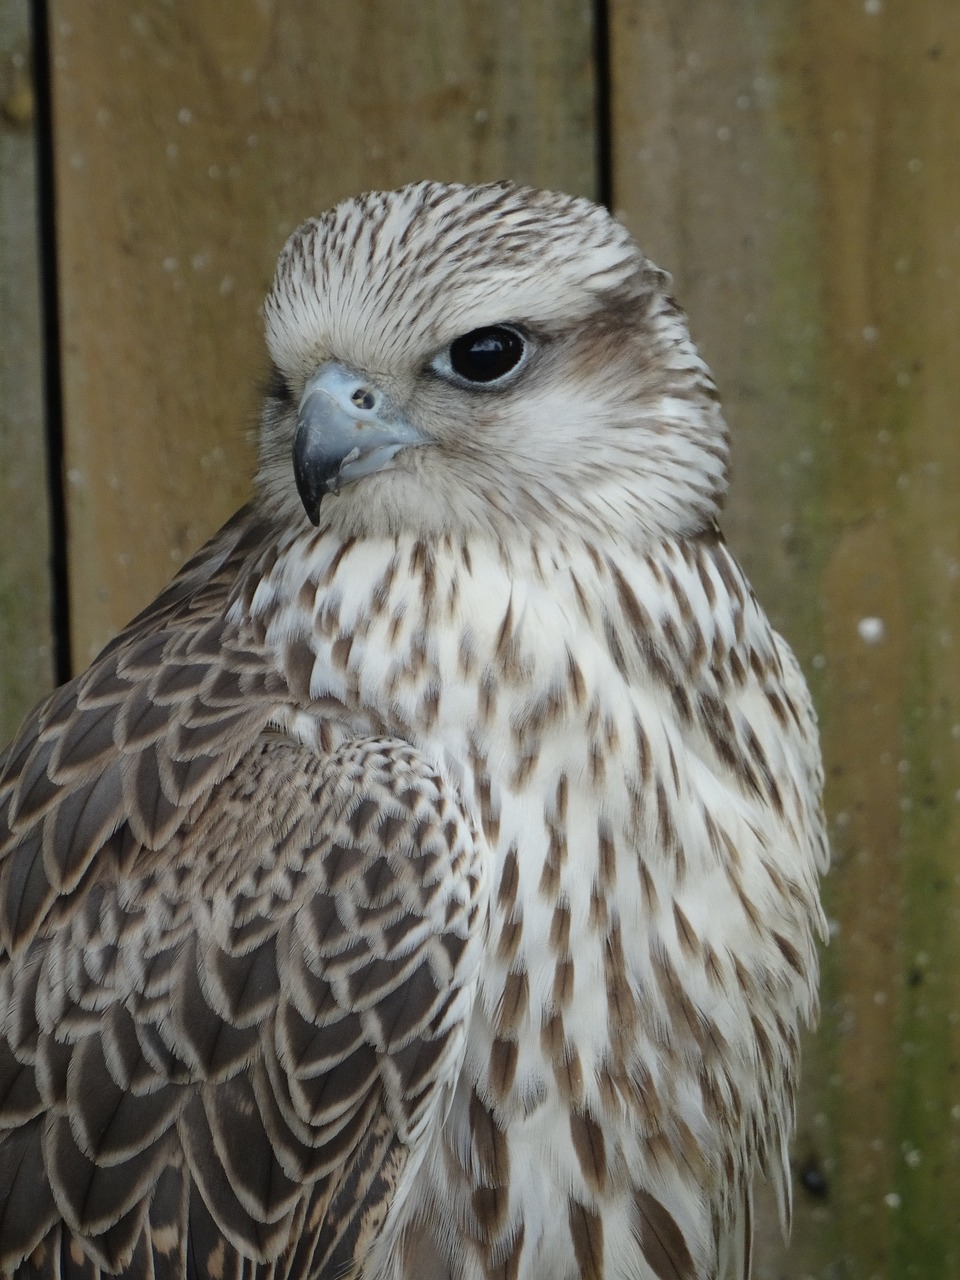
(794, 163)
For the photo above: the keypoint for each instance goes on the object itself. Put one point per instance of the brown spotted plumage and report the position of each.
(424, 887)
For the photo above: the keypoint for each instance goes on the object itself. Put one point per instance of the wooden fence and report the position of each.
(794, 163)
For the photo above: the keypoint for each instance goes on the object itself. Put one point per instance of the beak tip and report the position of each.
(311, 472)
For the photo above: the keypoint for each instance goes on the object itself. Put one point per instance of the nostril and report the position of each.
(363, 398)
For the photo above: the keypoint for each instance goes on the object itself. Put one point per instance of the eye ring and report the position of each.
(484, 357)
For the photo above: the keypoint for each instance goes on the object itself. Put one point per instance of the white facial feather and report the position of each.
(612, 426)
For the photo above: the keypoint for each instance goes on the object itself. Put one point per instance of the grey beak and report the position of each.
(345, 430)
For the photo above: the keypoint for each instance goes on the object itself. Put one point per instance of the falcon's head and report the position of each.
(453, 358)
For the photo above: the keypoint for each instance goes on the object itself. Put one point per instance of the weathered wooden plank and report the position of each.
(188, 145)
(795, 166)
(885, 81)
(718, 188)
(26, 665)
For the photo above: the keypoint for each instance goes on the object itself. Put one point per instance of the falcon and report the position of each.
(424, 886)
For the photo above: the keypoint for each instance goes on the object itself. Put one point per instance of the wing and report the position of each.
(114, 759)
(231, 1049)
(234, 970)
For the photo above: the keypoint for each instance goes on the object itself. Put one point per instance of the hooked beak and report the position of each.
(346, 429)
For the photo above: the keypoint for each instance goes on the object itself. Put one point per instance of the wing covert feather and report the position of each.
(266, 1011)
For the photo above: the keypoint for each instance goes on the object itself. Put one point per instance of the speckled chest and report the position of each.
(587, 714)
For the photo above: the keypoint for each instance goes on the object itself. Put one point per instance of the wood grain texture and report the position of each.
(885, 85)
(187, 148)
(795, 167)
(26, 666)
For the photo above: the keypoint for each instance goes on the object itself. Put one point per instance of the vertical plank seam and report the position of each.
(50, 330)
(603, 103)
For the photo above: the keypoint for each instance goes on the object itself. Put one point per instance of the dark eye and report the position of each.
(486, 355)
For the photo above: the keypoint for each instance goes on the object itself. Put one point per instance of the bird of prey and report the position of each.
(424, 886)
